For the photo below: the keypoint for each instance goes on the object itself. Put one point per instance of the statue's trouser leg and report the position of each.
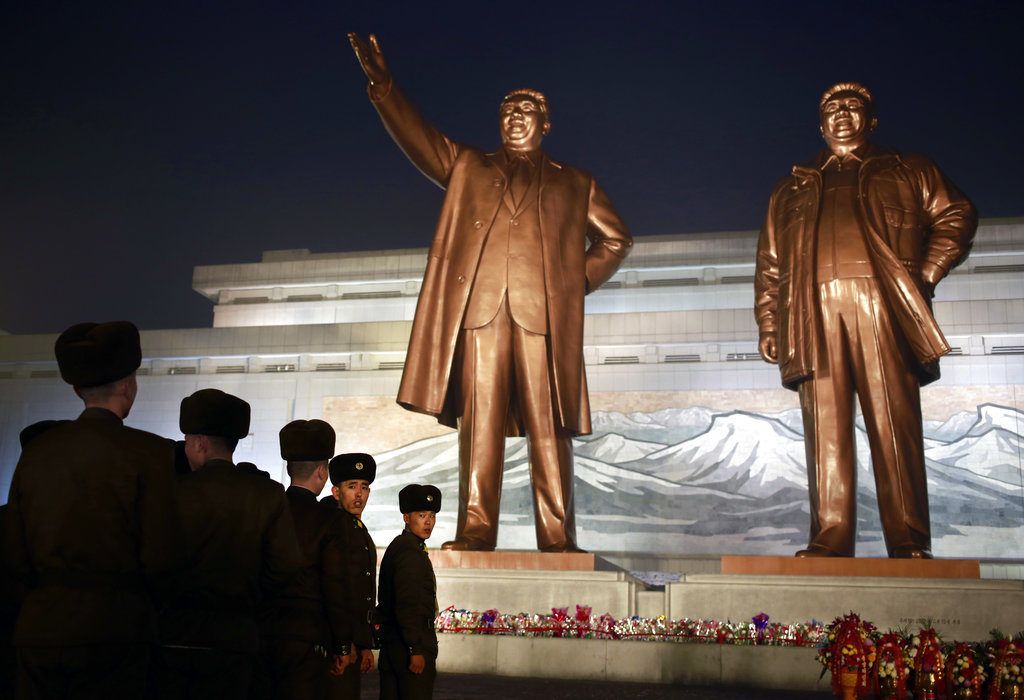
(826, 401)
(890, 399)
(550, 446)
(859, 349)
(485, 382)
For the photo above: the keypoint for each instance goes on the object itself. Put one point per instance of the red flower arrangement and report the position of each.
(849, 649)
(1008, 666)
(963, 670)
(929, 666)
(892, 664)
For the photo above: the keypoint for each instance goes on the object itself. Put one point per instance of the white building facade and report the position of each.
(696, 447)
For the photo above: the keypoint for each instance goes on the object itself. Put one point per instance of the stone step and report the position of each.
(791, 668)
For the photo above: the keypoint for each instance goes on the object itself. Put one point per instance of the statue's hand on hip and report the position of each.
(769, 348)
(372, 61)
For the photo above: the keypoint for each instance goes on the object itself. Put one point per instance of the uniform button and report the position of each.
(515, 222)
(498, 182)
(368, 598)
(478, 224)
(368, 573)
(461, 279)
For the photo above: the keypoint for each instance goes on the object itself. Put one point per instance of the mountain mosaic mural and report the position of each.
(692, 480)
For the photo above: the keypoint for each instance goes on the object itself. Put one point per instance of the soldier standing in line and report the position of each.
(353, 473)
(408, 601)
(241, 547)
(11, 590)
(308, 619)
(92, 529)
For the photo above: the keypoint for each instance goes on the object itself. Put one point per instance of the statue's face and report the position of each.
(522, 123)
(846, 120)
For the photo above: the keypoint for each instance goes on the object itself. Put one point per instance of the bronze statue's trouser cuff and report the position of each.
(860, 350)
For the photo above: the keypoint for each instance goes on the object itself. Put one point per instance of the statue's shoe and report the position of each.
(465, 545)
(816, 550)
(911, 553)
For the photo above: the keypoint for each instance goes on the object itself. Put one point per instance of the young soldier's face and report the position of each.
(421, 523)
(352, 495)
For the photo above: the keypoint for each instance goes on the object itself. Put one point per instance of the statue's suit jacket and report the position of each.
(572, 210)
(918, 227)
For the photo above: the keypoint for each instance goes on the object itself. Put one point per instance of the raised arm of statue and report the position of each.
(428, 149)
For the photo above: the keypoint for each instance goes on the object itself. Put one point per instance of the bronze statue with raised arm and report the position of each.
(852, 247)
(497, 340)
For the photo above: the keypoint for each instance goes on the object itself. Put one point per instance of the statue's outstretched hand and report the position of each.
(372, 61)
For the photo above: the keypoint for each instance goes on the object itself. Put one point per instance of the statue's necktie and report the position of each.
(520, 175)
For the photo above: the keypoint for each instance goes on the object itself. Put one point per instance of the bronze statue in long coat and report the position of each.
(497, 340)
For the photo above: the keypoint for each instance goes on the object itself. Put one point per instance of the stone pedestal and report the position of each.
(959, 609)
(520, 560)
(851, 566)
(537, 591)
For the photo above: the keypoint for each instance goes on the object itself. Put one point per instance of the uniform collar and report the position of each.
(100, 414)
(218, 464)
(300, 491)
(415, 538)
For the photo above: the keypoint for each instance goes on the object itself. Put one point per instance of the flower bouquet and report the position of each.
(1007, 658)
(964, 674)
(892, 666)
(848, 651)
(929, 666)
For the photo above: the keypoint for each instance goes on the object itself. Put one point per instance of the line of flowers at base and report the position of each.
(863, 662)
(585, 625)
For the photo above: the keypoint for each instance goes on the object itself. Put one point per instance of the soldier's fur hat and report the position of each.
(353, 465)
(213, 412)
(307, 441)
(94, 354)
(415, 498)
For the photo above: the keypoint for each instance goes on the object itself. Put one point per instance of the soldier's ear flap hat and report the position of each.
(94, 354)
(415, 498)
(31, 432)
(212, 412)
(307, 441)
(353, 465)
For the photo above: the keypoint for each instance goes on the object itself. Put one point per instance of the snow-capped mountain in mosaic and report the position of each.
(692, 479)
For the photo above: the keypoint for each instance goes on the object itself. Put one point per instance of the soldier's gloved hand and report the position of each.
(417, 663)
(365, 661)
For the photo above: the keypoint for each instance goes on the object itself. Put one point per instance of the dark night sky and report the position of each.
(141, 139)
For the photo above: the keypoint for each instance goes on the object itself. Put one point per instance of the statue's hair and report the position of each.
(536, 95)
(847, 87)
